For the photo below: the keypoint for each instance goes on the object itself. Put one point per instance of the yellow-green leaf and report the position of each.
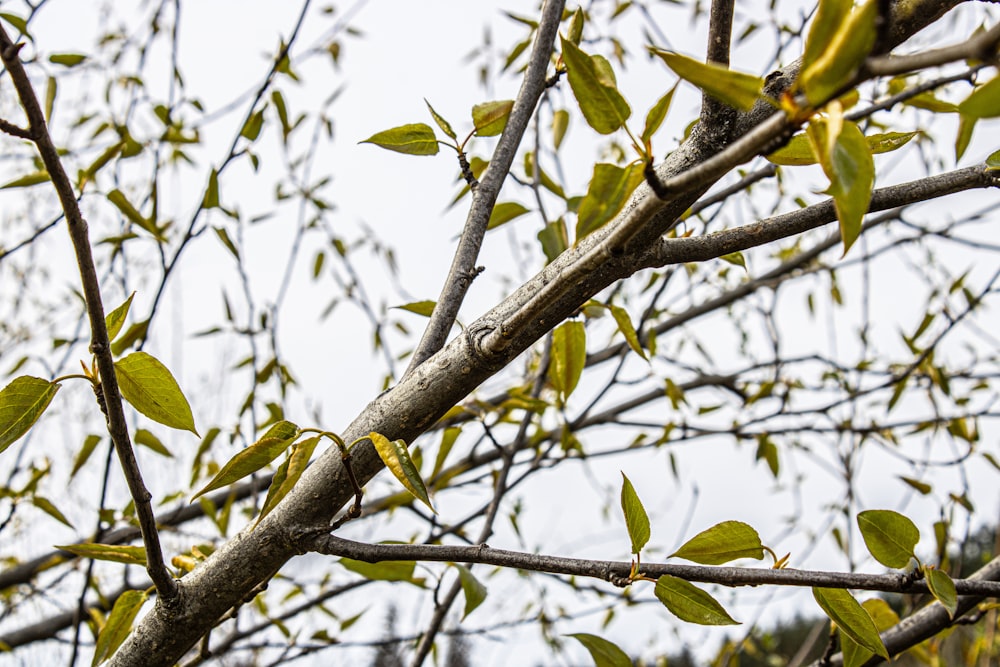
(504, 212)
(942, 588)
(51, 88)
(851, 171)
(569, 354)
(251, 128)
(624, 323)
(884, 618)
(722, 543)
(411, 139)
(34, 178)
(851, 618)
(388, 570)
(636, 519)
(86, 449)
(116, 318)
(115, 553)
(22, 402)
(922, 488)
(151, 389)
(984, 101)
(396, 458)
(735, 258)
(966, 124)
(840, 54)
(799, 151)
(560, 123)
(472, 588)
(121, 202)
(118, 625)
(441, 122)
(211, 198)
(830, 14)
(993, 161)
(490, 118)
(737, 89)
(602, 105)
(689, 603)
(603, 652)
(889, 536)
(609, 190)
(425, 307)
(49, 508)
(288, 474)
(67, 59)
(656, 114)
(253, 458)
(149, 440)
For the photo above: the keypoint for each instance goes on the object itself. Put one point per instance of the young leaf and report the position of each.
(569, 354)
(118, 625)
(253, 458)
(735, 258)
(560, 123)
(830, 14)
(737, 89)
(34, 178)
(636, 519)
(840, 54)
(67, 59)
(625, 325)
(504, 212)
(609, 190)
(121, 202)
(984, 101)
(396, 458)
(472, 588)
(441, 122)
(689, 603)
(115, 553)
(490, 118)
(851, 171)
(722, 543)
(851, 618)
(116, 318)
(602, 105)
(603, 652)
(288, 474)
(942, 588)
(49, 508)
(884, 617)
(148, 439)
(655, 116)
(251, 128)
(425, 307)
(22, 402)
(389, 570)
(152, 390)
(799, 150)
(89, 444)
(211, 198)
(412, 139)
(889, 536)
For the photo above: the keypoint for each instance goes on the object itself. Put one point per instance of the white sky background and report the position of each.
(410, 51)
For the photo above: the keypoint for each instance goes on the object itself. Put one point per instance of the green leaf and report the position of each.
(603, 652)
(609, 190)
(251, 128)
(602, 105)
(288, 474)
(560, 123)
(737, 89)
(116, 318)
(149, 440)
(253, 458)
(689, 603)
(223, 236)
(17, 22)
(840, 54)
(51, 88)
(993, 161)
(34, 178)
(504, 212)
(441, 122)
(490, 118)
(799, 151)
(121, 202)
(396, 458)
(211, 198)
(67, 59)
(114, 553)
(735, 258)
(553, 239)
(984, 101)
(49, 508)
(89, 444)
(921, 487)
(942, 588)
(152, 390)
(655, 116)
(851, 171)
(851, 618)
(722, 543)
(118, 625)
(412, 139)
(636, 519)
(448, 438)
(279, 105)
(569, 354)
(884, 618)
(133, 334)
(889, 536)
(389, 570)
(472, 588)
(830, 15)
(624, 323)
(425, 307)
(22, 402)
(966, 124)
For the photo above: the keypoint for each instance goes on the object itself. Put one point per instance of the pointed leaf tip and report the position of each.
(411, 139)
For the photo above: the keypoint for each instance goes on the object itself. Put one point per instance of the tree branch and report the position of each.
(485, 195)
(100, 345)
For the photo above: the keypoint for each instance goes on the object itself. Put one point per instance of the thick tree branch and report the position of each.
(484, 196)
(100, 345)
(715, 114)
(617, 572)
